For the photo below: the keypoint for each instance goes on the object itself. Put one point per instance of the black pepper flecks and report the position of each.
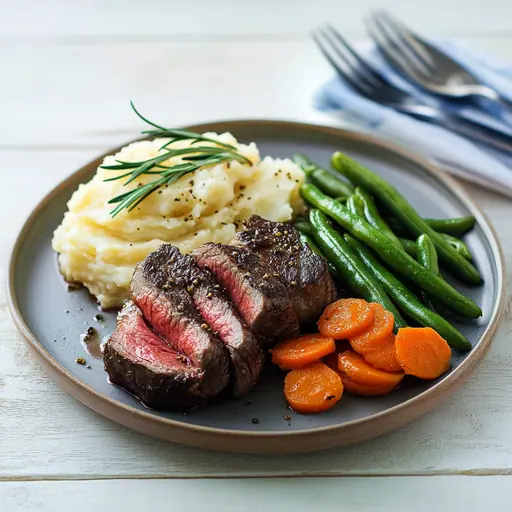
(99, 317)
(89, 334)
(255, 421)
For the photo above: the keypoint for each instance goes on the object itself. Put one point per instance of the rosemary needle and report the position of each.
(192, 158)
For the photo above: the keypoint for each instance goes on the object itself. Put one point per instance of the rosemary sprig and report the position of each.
(192, 158)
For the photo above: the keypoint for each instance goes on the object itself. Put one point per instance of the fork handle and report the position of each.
(466, 128)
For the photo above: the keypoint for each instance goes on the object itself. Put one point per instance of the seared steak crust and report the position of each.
(169, 309)
(304, 273)
(139, 361)
(197, 292)
(254, 287)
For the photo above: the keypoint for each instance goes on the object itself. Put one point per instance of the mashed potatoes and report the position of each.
(101, 251)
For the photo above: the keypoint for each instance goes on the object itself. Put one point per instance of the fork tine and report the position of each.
(370, 72)
(326, 52)
(346, 69)
(407, 37)
(347, 58)
(402, 48)
(389, 48)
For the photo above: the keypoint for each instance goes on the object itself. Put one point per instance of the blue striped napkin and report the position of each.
(455, 154)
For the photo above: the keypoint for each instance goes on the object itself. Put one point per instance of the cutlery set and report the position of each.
(437, 86)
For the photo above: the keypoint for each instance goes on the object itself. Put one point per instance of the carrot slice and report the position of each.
(359, 370)
(384, 357)
(314, 388)
(299, 352)
(377, 334)
(422, 352)
(331, 360)
(356, 388)
(345, 318)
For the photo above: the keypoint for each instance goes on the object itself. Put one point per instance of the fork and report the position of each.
(424, 64)
(370, 83)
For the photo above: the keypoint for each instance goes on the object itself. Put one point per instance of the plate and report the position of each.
(52, 319)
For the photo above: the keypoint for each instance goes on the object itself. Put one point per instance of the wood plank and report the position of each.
(78, 95)
(46, 433)
(109, 20)
(443, 494)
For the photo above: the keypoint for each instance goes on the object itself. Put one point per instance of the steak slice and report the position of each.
(304, 273)
(139, 361)
(261, 298)
(170, 310)
(176, 270)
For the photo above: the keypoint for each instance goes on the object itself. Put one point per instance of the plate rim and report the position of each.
(272, 440)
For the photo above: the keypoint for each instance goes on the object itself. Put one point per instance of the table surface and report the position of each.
(68, 72)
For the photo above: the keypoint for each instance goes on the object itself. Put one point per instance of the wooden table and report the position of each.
(68, 71)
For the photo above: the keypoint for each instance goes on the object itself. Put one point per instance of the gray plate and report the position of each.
(53, 319)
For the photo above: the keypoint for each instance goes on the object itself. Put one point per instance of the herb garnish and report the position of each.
(193, 158)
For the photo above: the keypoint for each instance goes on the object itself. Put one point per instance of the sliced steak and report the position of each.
(177, 271)
(261, 298)
(304, 273)
(141, 362)
(170, 310)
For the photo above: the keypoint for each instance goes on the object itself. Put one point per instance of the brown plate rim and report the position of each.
(215, 438)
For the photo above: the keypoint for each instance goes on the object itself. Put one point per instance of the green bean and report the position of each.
(308, 240)
(372, 215)
(457, 226)
(409, 247)
(427, 256)
(304, 226)
(397, 259)
(326, 181)
(458, 245)
(406, 301)
(355, 205)
(386, 194)
(349, 266)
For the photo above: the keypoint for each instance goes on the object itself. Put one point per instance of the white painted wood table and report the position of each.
(67, 73)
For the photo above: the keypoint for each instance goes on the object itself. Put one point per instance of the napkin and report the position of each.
(453, 153)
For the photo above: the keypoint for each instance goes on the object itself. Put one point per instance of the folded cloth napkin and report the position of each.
(453, 153)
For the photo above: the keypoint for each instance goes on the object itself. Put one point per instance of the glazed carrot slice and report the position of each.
(359, 370)
(356, 388)
(345, 318)
(422, 352)
(331, 360)
(384, 357)
(314, 388)
(299, 352)
(377, 334)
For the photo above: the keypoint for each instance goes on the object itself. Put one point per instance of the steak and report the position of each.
(139, 361)
(260, 297)
(304, 273)
(167, 269)
(168, 307)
